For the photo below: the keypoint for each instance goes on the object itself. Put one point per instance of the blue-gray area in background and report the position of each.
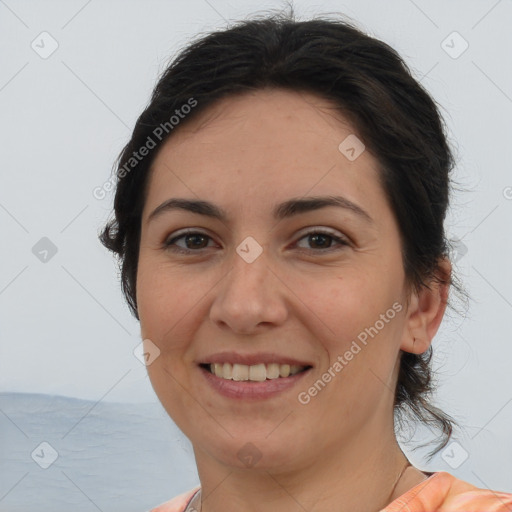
(112, 457)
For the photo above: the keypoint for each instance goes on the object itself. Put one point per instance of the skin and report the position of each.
(305, 298)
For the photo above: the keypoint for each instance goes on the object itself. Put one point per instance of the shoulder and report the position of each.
(443, 492)
(178, 503)
(465, 496)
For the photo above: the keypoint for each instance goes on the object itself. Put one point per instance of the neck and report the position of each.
(364, 474)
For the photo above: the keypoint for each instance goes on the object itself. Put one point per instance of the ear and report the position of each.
(425, 312)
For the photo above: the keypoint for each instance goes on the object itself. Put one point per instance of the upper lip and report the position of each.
(251, 359)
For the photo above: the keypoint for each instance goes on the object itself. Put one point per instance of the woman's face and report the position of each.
(269, 282)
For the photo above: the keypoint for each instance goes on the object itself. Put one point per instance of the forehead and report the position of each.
(254, 118)
(267, 144)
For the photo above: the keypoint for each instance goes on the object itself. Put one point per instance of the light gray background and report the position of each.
(64, 326)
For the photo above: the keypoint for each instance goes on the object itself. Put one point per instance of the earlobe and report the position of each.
(419, 346)
(426, 311)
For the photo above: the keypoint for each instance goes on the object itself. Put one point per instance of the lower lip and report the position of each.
(250, 390)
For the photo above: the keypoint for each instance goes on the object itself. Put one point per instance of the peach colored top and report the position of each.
(441, 492)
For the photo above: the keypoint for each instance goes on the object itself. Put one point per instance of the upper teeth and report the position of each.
(257, 372)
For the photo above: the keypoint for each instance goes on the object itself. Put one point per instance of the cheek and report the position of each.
(348, 317)
(343, 303)
(164, 303)
(163, 300)
(164, 294)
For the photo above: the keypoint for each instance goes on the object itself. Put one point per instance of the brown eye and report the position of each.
(194, 240)
(322, 240)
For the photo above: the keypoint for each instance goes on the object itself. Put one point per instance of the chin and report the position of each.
(255, 452)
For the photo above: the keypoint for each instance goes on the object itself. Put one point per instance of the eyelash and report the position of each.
(169, 243)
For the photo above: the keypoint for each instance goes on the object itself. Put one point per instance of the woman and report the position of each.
(279, 219)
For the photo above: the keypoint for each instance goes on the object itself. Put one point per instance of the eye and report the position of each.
(320, 237)
(196, 239)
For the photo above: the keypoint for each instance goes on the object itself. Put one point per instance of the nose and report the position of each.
(249, 297)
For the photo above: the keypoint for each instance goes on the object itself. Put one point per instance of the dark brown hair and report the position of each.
(371, 86)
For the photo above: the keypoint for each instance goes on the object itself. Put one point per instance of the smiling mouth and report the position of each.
(254, 373)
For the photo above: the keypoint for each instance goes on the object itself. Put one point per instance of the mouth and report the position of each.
(254, 373)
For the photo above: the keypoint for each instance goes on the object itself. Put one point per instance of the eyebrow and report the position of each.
(294, 206)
